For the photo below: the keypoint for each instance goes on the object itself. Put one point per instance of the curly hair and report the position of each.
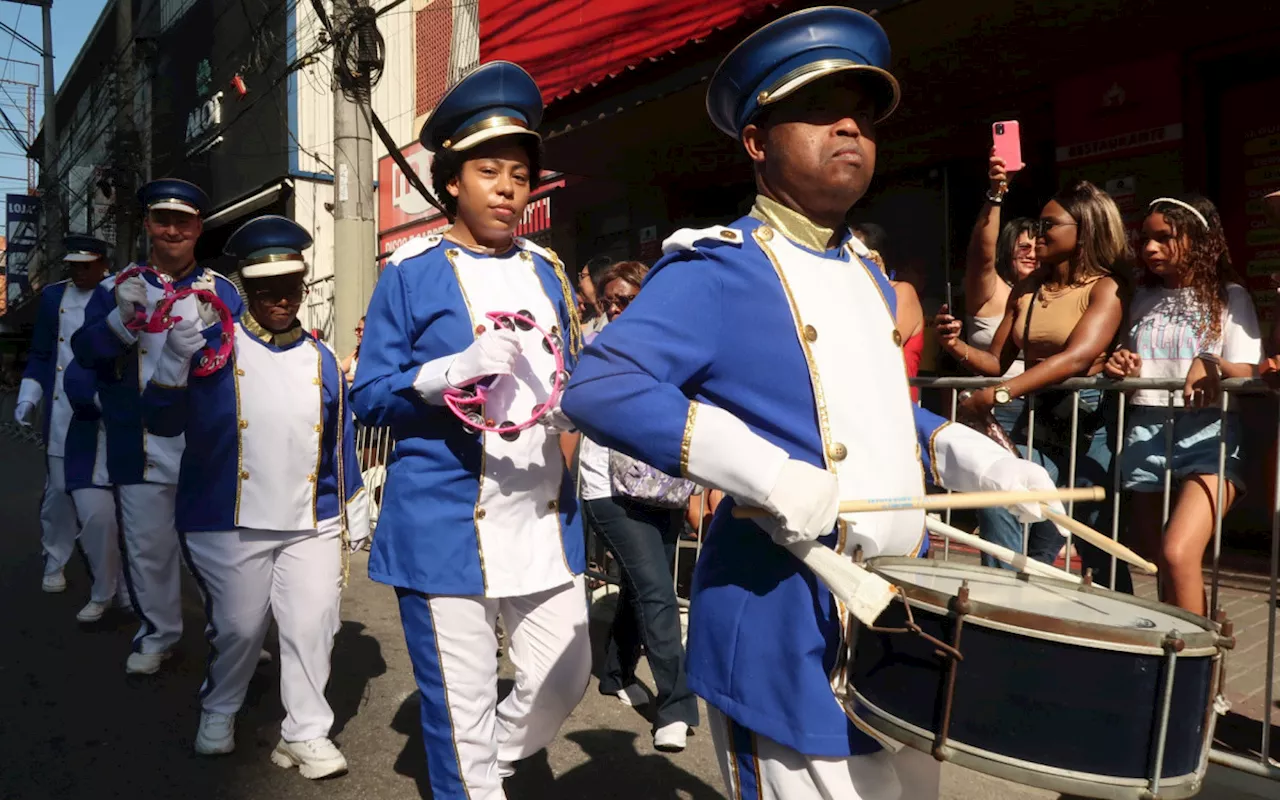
(447, 165)
(632, 272)
(1202, 256)
(1102, 247)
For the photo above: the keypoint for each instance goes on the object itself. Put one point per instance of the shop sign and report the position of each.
(204, 118)
(1125, 109)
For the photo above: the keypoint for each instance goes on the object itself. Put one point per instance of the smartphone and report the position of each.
(1008, 144)
(948, 300)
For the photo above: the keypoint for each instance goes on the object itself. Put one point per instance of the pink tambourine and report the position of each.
(212, 359)
(467, 403)
(140, 321)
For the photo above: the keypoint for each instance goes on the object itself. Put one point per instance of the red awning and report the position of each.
(568, 45)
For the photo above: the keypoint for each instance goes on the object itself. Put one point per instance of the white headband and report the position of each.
(1183, 204)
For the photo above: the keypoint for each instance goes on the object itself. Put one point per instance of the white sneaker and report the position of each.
(671, 738)
(314, 758)
(145, 663)
(633, 695)
(92, 611)
(217, 734)
(54, 582)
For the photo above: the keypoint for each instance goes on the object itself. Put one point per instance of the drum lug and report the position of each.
(959, 608)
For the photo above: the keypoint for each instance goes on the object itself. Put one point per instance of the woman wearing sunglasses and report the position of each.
(638, 512)
(473, 523)
(1064, 318)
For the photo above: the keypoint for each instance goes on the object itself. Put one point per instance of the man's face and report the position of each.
(88, 274)
(173, 235)
(818, 146)
(274, 301)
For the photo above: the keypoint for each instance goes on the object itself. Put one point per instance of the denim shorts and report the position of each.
(1195, 447)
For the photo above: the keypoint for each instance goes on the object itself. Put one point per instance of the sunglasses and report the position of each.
(1044, 225)
(264, 295)
(620, 301)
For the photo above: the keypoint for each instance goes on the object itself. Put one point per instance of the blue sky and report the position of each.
(72, 22)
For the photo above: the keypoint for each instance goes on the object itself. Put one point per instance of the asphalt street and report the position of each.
(73, 725)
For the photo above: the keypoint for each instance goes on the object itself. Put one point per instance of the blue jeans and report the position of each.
(999, 525)
(643, 540)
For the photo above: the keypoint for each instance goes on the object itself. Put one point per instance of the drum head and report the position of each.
(1042, 604)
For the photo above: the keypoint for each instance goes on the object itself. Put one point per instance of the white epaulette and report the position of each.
(690, 238)
(415, 247)
(533, 247)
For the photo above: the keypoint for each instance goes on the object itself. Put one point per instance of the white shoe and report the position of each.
(671, 738)
(314, 758)
(92, 611)
(217, 734)
(145, 663)
(633, 695)
(54, 582)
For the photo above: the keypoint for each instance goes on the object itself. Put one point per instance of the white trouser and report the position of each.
(755, 767)
(58, 528)
(150, 548)
(453, 647)
(100, 539)
(247, 576)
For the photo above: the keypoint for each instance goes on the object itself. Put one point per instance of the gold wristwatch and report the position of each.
(1002, 395)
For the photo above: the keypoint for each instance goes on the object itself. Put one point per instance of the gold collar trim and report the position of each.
(267, 337)
(792, 224)
(480, 249)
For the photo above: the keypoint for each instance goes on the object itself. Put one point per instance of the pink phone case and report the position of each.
(1008, 144)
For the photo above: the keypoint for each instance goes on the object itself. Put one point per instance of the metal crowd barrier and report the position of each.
(1263, 765)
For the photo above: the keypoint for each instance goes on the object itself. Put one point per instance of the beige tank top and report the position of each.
(1054, 317)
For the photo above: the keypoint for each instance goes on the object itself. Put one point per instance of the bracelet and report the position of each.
(965, 360)
(995, 198)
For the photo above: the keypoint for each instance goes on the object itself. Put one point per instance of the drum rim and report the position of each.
(1018, 770)
(1200, 640)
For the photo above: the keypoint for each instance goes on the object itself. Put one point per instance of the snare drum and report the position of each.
(1070, 688)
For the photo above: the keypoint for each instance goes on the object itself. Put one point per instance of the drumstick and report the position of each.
(1105, 543)
(864, 593)
(1011, 557)
(941, 502)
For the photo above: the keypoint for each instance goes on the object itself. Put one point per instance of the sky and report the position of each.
(72, 22)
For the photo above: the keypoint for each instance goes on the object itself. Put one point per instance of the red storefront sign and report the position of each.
(570, 44)
(1123, 110)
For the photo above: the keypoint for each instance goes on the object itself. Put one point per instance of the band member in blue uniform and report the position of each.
(269, 495)
(762, 359)
(477, 524)
(144, 468)
(62, 312)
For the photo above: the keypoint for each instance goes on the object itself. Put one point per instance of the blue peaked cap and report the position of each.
(81, 248)
(495, 99)
(173, 195)
(269, 245)
(792, 52)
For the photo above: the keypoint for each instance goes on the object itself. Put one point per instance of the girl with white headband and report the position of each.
(1190, 319)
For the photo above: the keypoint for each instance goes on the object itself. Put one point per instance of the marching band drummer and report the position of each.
(144, 468)
(762, 359)
(268, 487)
(474, 524)
(62, 312)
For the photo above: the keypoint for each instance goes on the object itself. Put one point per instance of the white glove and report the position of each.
(24, 413)
(493, 353)
(184, 340)
(1012, 474)
(129, 294)
(208, 316)
(804, 502)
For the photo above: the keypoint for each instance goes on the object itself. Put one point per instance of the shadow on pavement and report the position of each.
(614, 769)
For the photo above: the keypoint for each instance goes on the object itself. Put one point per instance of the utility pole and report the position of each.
(125, 150)
(49, 170)
(354, 246)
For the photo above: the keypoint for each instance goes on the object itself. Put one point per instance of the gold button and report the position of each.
(319, 428)
(897, 337)
(553, 505)
(765, 233)
(762, 98)
(239, 372)
(524, 254)
(316, 381)
(244, 423)
(59, 369)
(61, 339)
(143, 351)
(479, 513)
(452, 252)
(555, 330)
(729, 235)
(810, 333)
(838, 452)
(244, 475)
(311, 478)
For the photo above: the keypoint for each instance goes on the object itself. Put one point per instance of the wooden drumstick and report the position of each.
(1016, 560)
(941, 502)
(864, 593)
(1104, 543)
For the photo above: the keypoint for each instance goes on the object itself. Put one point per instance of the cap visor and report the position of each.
(174, 205)
(81, 258)
(480, 137)
(270, 269)
(886, 103)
